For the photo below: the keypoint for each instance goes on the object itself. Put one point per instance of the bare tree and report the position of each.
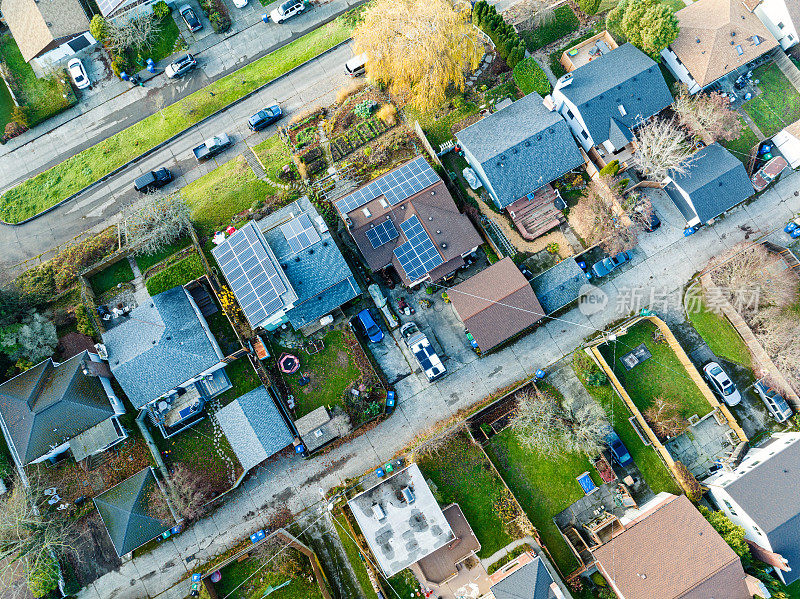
(135, 33)
(709, 116)
(665, 418)
(158, 222)
(530, 14)
(661, 147)
(586, 429)
(599, 217)
(187, 493)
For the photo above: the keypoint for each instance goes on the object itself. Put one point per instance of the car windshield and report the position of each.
(727, 390)
(716, 370)
(373, 329)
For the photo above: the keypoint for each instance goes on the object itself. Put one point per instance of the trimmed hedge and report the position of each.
(563, 23)
(505, 37)
(530, 77)
(182, 272)
(589, 6)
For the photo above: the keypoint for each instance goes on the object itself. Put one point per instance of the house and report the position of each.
(444, 564)
(559, 285)
(135, 511)
(519, 149)
(254, 427)
(714, 182)
(760, 495)
(38, 27)
(400, 520)
(496, 304)
(166, 360)
(670, 551)
(717, 38)
(57, 407)
(318, 428)
(780, 17)
(286, 268)
(408, 220)
(604, 100)
(526, 576)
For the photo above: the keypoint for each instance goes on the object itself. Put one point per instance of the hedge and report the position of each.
(589, 6)
(530, 77)
(182, 272)
(563, 23)
(503, 35)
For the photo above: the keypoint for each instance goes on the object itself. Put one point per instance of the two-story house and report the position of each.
(780, 17)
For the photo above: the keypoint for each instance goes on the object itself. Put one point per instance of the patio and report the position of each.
(703, 444)
(588, 50)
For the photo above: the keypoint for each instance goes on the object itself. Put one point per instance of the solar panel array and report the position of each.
(251, 273)
(418, 256)
(107, 6)
(396, 185)
(300, 233)
(382, 233)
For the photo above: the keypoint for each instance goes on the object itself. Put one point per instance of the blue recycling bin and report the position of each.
(124, 76)
(265, 17)
(540, 374)
(379, 472)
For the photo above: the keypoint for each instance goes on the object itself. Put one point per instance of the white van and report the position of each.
(356, 66)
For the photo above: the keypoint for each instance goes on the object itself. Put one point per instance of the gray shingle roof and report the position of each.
(521, 147)
(47, 405)
(163, 344)
(716, 181)
(531, 581)
(559, 285)
(625, 76)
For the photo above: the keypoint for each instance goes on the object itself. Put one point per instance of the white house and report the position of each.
(780, 17)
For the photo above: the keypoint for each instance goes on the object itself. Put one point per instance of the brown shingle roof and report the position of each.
(496, 304)
(711, 30)
(672, 552)
(40, 26)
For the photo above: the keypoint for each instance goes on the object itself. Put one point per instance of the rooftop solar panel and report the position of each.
(417, 256)
(382, 233)
(300, 233)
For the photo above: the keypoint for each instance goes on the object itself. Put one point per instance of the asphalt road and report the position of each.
(313, 84)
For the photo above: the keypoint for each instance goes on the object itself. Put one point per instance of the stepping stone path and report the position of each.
(212, 408)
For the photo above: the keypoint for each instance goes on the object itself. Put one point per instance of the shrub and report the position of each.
(563, 23)
(364, 109)
(98, 28)
(589, 6)
(505, 38)
(84, 322)
(689, 483)
(305, 136)
(181, 272)
(161, 9)
(530, 77)
(388, 114)
(80, 256)
(42, 578)
(34, 339)
(349, 90)
(37, 283)
(12, 130)
(611, 169)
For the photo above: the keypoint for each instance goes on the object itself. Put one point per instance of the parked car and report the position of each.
(152, 180)
(264, 117)
(776, 404)
(371, 328)
(287, 10)
(722, 384)
(211, 147)
(240, 3)
(356, 66)
(606, 265)
(769, 172)
(78, 73)
(181, 66)
(618, 450)
(423, 351)
(649, 224)
(190, 18)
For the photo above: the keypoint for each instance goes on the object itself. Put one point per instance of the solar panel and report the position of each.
(253, 278)
(397, 185)
(382, 233)
(418, 256)
(300, 233)
(108, 6)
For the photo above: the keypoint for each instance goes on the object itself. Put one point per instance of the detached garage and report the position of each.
(788, 143)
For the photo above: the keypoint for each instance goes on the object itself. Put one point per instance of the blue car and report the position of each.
(618, 450)
(371, 328)
(264, 117)
(606, 265)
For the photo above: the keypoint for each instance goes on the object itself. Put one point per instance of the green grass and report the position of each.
(146, 261)
(215, 198)
(779, 103)
(404, 585)
(439, 130)
(274, 154)
(530, 77)
(223, 332)
(243, 378)
(6, 106)
(354, 556)
(108, 278)
(182, 272)
(73, 174)
(164, 45)
(793, 590)
(258, 579)
(661, 375)
(720, 335)
(563, 23)
(741, 146)
(501, 92)
(462, 475)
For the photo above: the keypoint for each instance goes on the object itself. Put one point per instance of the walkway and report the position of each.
(788, 68)
(139, 290)
(501, 553)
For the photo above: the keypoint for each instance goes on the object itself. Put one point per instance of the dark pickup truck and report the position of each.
(212, 147)
(152, 180)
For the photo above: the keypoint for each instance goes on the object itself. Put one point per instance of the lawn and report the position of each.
(146, 261)
(214, 199)
(75, 173)
(660, 375)
(165, 44)
(544, 486)
(109, 277)
(404, 584)
(741, 146)
(354, 555)
(462, 475)
(273, 154)
(223, 332)
(243, 378)
(181, 272)
(793, 590)
(779, 103)
(720, 335)
(439, 130)
(253, 577)
(563, 23)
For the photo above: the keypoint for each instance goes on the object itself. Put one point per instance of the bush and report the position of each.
(530, 77)
(37, 284)
(388, 114)
(305, 137)
(12, 130)
(364, 109)
(611, 169)
(84, 321)
(43, 577)
(563, 23)
(98, 28)
(80, 256)
(509, 45)
(161, 9)
(589, 6)
(183, 271)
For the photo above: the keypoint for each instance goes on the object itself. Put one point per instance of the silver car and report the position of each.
(722, 383)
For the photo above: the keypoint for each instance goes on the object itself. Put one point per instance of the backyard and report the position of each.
(563, 23)
(182, 271)
(146, 261)
(778, 104)
(109, 277)
(437, 126)
(354, 555)
(242, 375)
(741, 146)
(273, 154)
(719, 334)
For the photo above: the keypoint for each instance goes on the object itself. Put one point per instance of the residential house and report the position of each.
(166, 359)
(54, 408)
(286, 268)
(526, 577)
(496, 304)
(516, 152)
(780, 17)
(559, 285)
(39, 27)
(717, 39)
(760, 495)
(444, 564)
(667, 549)
(318, 428)
(713, 183)
(604, 100)
(408, 220)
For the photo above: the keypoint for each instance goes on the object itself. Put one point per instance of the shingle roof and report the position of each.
(711, 30)
(130, 514)
(254, 427)
(39, 26)
(559, 285)
(316, 428)
(163, 344)
(531, 581)
(625, 76)
(496, 304)
(521, 148)
(47, 405)
(716, 181)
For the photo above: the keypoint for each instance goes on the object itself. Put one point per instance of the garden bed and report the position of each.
(303, 134)
(356, 121)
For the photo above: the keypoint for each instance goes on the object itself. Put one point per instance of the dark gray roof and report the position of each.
(128, 511)
(768, 494)
(521, 148)
(163, 344)
(47, 405)
(559, 285)
(531, 581)
(716, 181)
(625, 76)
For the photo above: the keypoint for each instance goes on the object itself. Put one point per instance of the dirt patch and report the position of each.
(95, 554)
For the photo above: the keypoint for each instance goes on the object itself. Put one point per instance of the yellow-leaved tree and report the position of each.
(418, 47)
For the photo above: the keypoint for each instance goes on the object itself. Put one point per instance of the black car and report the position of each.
(152, 180)
(190, 18)
(264, 117)
(650, 224)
